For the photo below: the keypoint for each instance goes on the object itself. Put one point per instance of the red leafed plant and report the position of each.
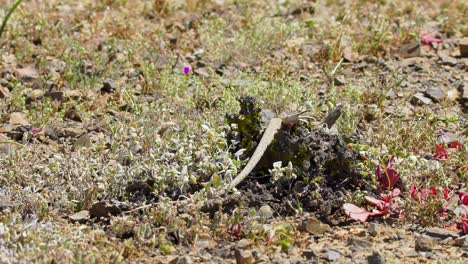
(386, 179)
(236, 231)
(463, 197)
(389, 177)
(428, 39)
(383, 206)
(421, 195)
(455, 144)
(464, 223)
(441, 152)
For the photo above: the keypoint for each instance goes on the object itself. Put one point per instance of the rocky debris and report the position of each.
(313, 226)
(80, 217)
(440, 233)
(463, 45)
(409, 50)
(424, 243)
(435, 94)
(420, 99)
(104, 209)
(244, 257)
(321, 155)
(27, 74)
(140, 190)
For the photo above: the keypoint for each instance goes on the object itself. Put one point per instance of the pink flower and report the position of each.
(186, 69)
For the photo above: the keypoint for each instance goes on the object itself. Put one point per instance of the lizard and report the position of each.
(273, 126)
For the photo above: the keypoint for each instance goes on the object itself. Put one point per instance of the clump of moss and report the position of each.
(245, 126)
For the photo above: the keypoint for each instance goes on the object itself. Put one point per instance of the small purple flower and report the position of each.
(186, 69)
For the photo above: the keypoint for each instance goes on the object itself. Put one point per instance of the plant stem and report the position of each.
(7, 17)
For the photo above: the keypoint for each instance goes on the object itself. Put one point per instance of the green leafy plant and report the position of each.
(7, 17)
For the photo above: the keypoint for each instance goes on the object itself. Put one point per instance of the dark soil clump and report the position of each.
(325, 168)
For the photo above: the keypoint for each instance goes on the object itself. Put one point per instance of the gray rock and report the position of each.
(202, 72)
(6, 148)
(244, 257)
(412, 49)
(464, 92)
(339, 80)
(4, 92)
(310, 254)
(374, 229)
(435, 94)
(80, 217)
(411, 253)
(426, 254)
(182, 260)
(423, 243)
(331, 254)
(108, 87)
(27, 74)
(205, 244)
(461, 210)
(107, 208)
(244, 243)
(462, 241)
(440, 233)
(411, 62)
(376, 258)
(313, 226)
(265, 212)
(18, 119)
(463, 45)
(420, 99)
(358, 244)
(447, 60)
(55, 95)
